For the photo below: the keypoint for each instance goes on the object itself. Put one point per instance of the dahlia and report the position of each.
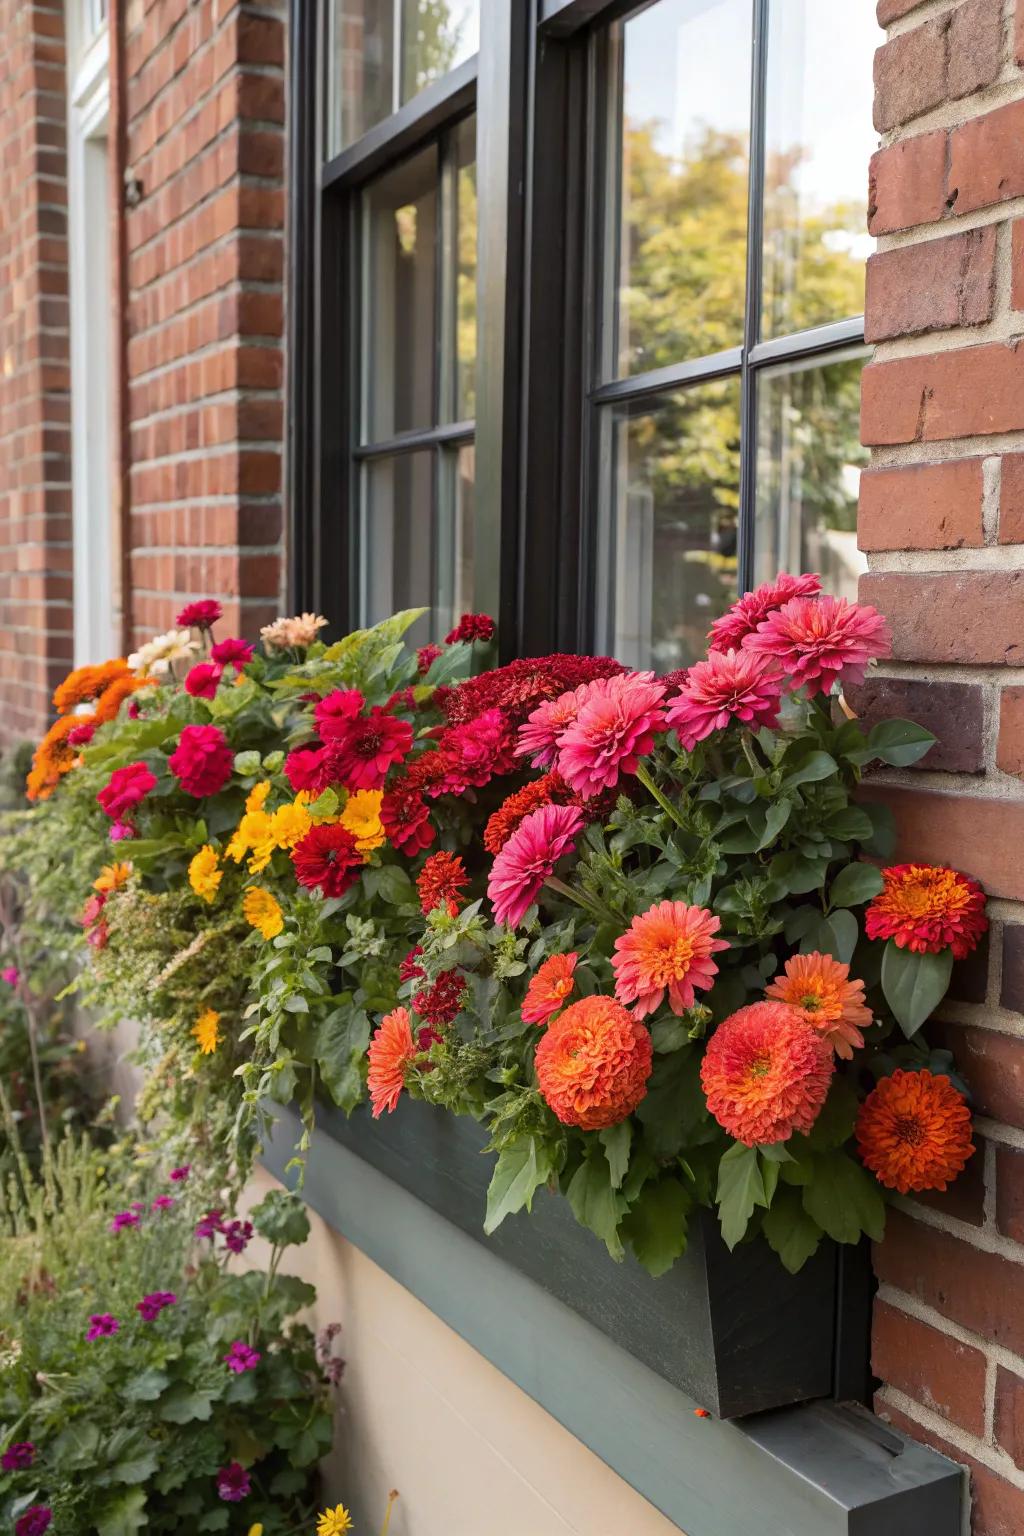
(914, 1131)
(593, 1062)
(820, 990)
(440, 1003)
(335, 713)
(469, 756)
(125, 789)
(529, 858)
(539, 737)
(521, 685)
(472, 626)
(927, 908)
(744, 616)
(391, 1050)
(817, 640)
(369, 748)
(202, 760)
(205, 873)
(729, 685)
(203, 680)
(327, 859)
(766, 1074)
(614, 727)
(549, 790)
(549, 987)
(200, 615)
(233, 1483)
(206, 1031)
(361, 817)
(667, 947)
(262, 911)
(405, 817)
(441, 882)
(232, 653)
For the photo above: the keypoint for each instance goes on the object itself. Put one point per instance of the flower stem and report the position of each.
(647, 781)
(392, 1498)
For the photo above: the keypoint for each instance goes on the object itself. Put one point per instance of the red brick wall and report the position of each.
(942, 518)
(206, 109)
(35, 413)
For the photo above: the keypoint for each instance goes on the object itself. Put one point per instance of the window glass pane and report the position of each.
(436, 36)
(809, 460)
(454, 593)
(400, 266)
(465, 279)
(362, 69)
(818, 138)
(397, 543)
(670, 505)
(678, 161)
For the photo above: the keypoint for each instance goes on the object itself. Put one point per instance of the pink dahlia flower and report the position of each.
(126, 788)
(203, 679)
(232, 652)
(202, 760)
(614, 727)
(539, 737)
(667, 948)
(200, 615)
(729, 685)
(529, 857)
(816, 640)
(744, 616)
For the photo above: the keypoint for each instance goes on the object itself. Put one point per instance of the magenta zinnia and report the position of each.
(539, 737)
(817, 640)
(752, 608)
(668, 948)
(529, 858)
(729, 685)
(615, 726)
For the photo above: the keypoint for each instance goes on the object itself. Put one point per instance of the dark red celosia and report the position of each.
(521, 685)
(425, 658)
(472, 626)
(440, 1003)
(327, 859)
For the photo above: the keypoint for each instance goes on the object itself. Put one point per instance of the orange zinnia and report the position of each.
(914, 1131)
(113, 876)
(821, 991)
(54, 757)
(766, 1074)
(927, 908)
(549, 988)
(668, 947)
(593, 1063)
(87, 683)
(391, 1050)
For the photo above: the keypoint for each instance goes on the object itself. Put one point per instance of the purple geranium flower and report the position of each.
(124, 1219)
(102, 1325)
(18, 1457)
(237, 1235)
(34, 1521)
(11, 975)
(210, 1225)
(179, 1175)
(150, 1307)
(233, 1483)
(241, 1358)
(163, 1202)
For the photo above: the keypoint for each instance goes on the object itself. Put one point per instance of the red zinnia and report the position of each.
(310, 768)
(232, 653)
(327, 859)
(409, 968)
(927, 908)
(469, 756)
(202, 760)
(200, 615)
(753, 607)
(766, 1074)
(441, 881)
(372, 745)
(593, 1063)
(335, 713)
(405, 817)
(125, 789)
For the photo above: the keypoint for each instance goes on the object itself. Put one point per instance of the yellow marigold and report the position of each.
(334, 1522)
(289, 824)
(361, 817)
(252, 831)
(205, 873)
(257, 796)
(113, 876)
(206, 1031)
(262, 911)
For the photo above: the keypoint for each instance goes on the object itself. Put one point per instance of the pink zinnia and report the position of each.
(614, 728)
(539, 736)
(200, 615)
(729, 685)
(816, 640)
(335, 713)
(732, 628)
(529, 858)
(667, 948)
(126, 788)
(202, 760)
(310, 768)
(202, 680)
(232, 653)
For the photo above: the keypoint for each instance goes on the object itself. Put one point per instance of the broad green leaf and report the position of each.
(183, 1406)
(341, 1042)
(674, 1105)
(596, 1204)
(124, 1515)
(844, 1200)
(740, 1188)
(789, 1231)
(391, 883)
(778, 815)
(882, 842)
(855, 884)
(146, 1387)
(281, 1218)
(899, 742)
(842, 925)
(914, 985)
(616, 1142)
(835, 1122)
(655, 1226)
(134, 1469)
(519, 1172)
(814, 768)
(850, 825)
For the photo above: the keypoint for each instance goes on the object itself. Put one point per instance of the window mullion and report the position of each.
(752, 317)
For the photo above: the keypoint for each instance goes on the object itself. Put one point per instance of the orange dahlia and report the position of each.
(766, 1073)
(821, 991)
(669, 947)
(928, 908)
(391, 1050)
(593, 1063)
(914, 1131)
(549, 988)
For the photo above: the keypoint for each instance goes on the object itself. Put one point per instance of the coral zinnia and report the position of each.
(529, 858)
(821, 991)
(816, 640)
(914, 1131)
(441, 882)
(928, 908)
(369, 747)
(593, 1063)
(729, 685)
(766, 1074)
(205, 873)
(206, 1031)
(202, 760)
(126, 788)
(753, 607)
(55, 756)
(549, 987)
(614, 727)
(391, 1050)
(262, 911)
(327, 859)
(669, 946)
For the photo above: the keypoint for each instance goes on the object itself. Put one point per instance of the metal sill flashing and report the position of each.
(815, 1470)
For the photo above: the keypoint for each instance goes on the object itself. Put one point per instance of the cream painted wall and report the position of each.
(421, 1411)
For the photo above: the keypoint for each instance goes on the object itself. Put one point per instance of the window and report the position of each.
(583, 333)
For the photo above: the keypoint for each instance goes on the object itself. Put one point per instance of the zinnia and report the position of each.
(549, 790)
(334, 1522)
(202, 760)
(470, 756)
(914, 1131)
(203, 679)
(529, 858)
(405, 817)
(668, 947)
(754, 607)
(232, 653)
(539, 737)
(336, 711)
(615, 726)
(233, 1483)
(205, 873)
(821, 991)
(441, 882)
(927, 908)
(593, 1063)
(549, 988)
(372, 745)
(729, 685)
(199, 615)
(391, 1050)
(440, 1003)
(327, 859)
(262, 911)
(766, 1074)
(817, 640)
(125, 789)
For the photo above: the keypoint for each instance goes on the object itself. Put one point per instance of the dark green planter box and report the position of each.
(732, 1330)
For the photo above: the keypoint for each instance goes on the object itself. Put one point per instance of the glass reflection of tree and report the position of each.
(432, 42)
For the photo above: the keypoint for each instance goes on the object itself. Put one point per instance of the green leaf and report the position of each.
(842, 925)
(674, 1106)
(124, 1515)
(281, 1218)
(814, 768)
(521, 1169)
(844, 1200)
(778, 814)
(596, 1204)
(914, 985)
(850, 825)
(855, 884)
(183, 1406)
(899, 742)
(740, 1188)
(655, 1226)
(835, 1122)
(391, 883)
(146, 1386)
(341, 1042)
(789, 1231)
(616, 1142)
(134, 1469)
